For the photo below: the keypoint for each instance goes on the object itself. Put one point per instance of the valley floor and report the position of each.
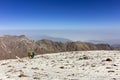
(76, 65)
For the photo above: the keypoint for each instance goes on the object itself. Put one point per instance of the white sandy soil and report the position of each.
(79, 65)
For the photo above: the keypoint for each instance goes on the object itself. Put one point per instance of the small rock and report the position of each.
(4, 63)
(116, 74)
(9, 66)
(73, 74)
(108, 59)
(114, 65)
(73, 66)
(62, 67)
(85, 57)
(53, 61)
(22, 75)
(111, 71)
(10, 70)
(36, 78)
(42, 69)
(114, 79)
(36, 68)
(93, 65)
(80, 58)
(108, 67)
(24, 67)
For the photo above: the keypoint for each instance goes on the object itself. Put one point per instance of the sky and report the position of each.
(72, 19)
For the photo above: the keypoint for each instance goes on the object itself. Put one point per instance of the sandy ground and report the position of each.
(79, 65)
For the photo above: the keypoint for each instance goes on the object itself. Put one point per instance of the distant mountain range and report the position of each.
(97, 42)
(50, 38)
(11, 46)
(54, 39)
(114, 43)
(111, 42)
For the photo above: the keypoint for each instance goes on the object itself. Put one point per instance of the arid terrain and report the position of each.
(11, 46)
(75, 65)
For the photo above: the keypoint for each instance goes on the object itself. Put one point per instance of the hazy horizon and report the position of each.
(77, 20)
(74, 35)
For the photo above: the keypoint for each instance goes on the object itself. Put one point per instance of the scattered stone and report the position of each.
(44, 74)
(108, 67)
(111, 71)
(65, 57)
(45, 57)
(67, 61)
(97, 71)
(116, 74)
(73, 79)
(26, 64)
(42, 69)
(60, 60)
(73, 66)
(83, 69)
(8, 76)
(36, 78)
(54, 65)
(4, 63)
(18, 71)
(24, 67)
(9, 66)
(80, 58)
(114, 79)
(93, 65)
(108, 59)
(103, 64)
(53, 61)
(85, 57)
(22, 75)
(10, 70)
(114, 65)
(73, 74)
(62, 67)
(36, 68)
(21, 71)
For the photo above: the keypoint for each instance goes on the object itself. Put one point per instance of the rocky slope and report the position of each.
(75, 65)
(11, 46)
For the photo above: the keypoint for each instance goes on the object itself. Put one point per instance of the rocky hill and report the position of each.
(11, 46)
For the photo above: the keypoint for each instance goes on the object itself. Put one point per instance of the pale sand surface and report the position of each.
(79, 65)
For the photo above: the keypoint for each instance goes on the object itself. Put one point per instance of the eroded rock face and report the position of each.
(11, 46)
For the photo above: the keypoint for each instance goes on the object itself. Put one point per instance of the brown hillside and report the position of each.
(11, 46)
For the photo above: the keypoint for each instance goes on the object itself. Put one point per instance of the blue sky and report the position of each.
(87, 16)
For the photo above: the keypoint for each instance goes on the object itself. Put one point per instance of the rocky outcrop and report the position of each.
(11, 46)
